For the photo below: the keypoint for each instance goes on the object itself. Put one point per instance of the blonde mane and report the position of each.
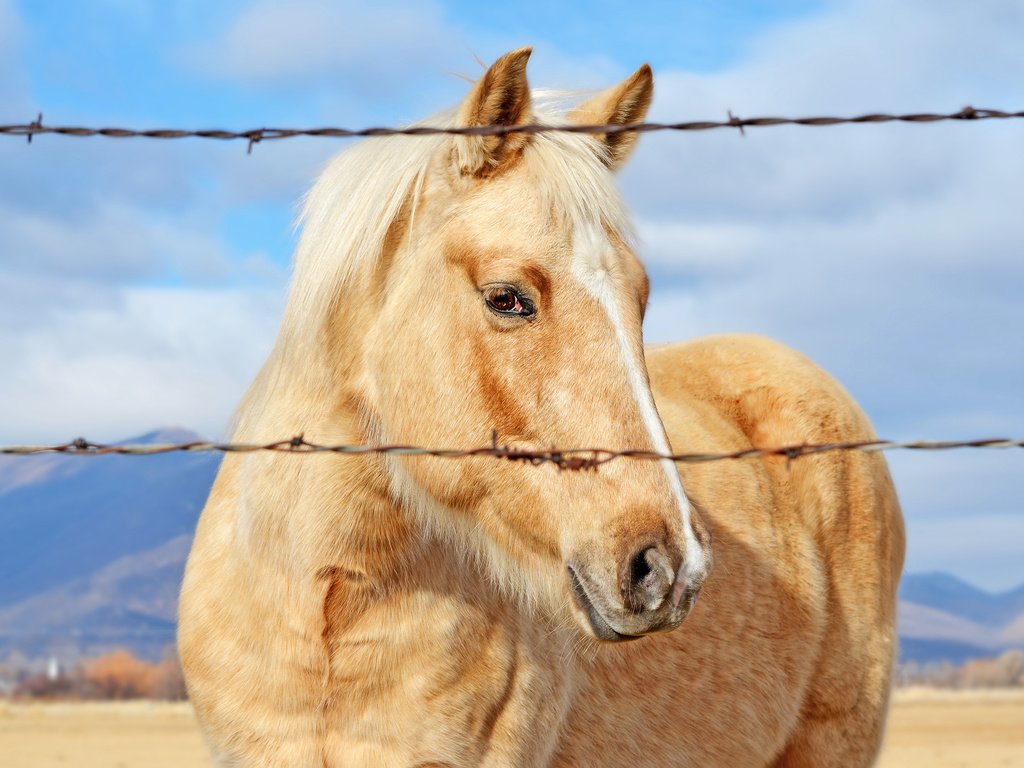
(347, 214)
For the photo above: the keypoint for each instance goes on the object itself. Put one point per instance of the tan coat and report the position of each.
(369, 611)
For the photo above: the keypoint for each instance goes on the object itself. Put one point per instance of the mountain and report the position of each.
(132, 602)
(924, 651)
(942, 618)
(93, 547)
(950, 594)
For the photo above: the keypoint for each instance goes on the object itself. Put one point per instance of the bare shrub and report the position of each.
(117, 675)
(1006, 671)
(170, 680)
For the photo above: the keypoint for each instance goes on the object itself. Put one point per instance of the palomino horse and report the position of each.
(413, 611)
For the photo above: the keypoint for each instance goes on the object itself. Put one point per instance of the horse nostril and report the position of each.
(639, 568)
(650, 578)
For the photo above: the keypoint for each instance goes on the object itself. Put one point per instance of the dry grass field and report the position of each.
(937, 729)
(950, 729)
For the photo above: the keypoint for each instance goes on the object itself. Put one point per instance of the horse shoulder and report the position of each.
(739, 391)
(775, 395)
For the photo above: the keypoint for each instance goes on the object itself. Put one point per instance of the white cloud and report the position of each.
(355, 46)
(117, 314)
(114, 243)
(980, 547)
(12, 83)
(273, 173)
(355, 58)
(875, 54)
(110, 243)
(154, 356)
(10, 26)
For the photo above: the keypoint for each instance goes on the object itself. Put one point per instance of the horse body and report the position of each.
(786, 661)
(365, 611)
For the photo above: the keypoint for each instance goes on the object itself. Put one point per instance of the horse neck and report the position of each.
(328, 510)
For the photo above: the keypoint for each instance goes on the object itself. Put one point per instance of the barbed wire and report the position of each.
(256, 135)
(569, 459)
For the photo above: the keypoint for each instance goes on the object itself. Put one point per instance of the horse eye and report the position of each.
(506, 300)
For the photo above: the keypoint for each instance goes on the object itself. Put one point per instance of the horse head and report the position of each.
(502, 296)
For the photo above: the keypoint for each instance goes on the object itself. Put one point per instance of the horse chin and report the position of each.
(596, 623)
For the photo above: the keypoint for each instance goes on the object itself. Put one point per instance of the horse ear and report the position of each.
(624, 103)
(500, 97)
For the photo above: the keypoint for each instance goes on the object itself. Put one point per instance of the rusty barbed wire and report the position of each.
(256, 135)
(568, 459)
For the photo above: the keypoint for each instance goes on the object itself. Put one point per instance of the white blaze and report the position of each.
(591, 251)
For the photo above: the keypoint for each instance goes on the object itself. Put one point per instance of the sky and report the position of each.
(141, 282)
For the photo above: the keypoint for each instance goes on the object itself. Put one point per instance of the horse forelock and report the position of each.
(347, 215)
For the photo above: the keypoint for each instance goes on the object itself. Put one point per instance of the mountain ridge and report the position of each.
(66, 516)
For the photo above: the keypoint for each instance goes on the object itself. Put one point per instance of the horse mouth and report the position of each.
(598, 624)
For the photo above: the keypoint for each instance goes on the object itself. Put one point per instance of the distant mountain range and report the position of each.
(92, 552)
(92, 548)
(944, 618)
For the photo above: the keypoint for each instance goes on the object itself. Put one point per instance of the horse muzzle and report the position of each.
(651, 596)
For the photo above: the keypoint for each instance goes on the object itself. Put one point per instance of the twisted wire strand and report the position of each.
(256, 135)
(569, 459)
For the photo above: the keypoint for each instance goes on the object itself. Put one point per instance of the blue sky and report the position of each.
(141, 282)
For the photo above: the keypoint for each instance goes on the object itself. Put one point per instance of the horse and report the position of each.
(403, 610)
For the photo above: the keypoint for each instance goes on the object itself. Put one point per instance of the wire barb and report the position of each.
(254, 138)
(735, 121)
(255, 135)
(36, 126)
